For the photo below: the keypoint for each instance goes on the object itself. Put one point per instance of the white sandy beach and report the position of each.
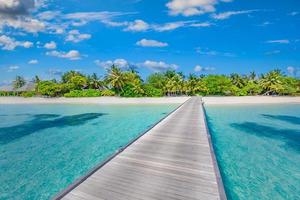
(250, 100)
(161, 100)
(94, 100)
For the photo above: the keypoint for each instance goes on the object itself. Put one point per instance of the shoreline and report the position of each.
(154, 100)
(251, 100)
(92, 100)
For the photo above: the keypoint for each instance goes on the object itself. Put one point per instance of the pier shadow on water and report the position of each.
(44, 121)
(285, 118)
(291, 137)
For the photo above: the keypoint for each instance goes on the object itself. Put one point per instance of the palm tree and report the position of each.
(19, 82)
(271, 83)
(191, 84)
(94, 82)
(66, 77)
(116, 78)
(237, 80)
(252, 75)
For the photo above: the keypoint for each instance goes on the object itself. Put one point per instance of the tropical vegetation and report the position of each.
(128, 83)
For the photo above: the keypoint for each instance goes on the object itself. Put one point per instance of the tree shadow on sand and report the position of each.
(44, 121)
(291, 137)
(286, 118)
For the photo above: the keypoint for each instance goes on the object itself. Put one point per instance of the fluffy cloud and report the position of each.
(8, 43)
(16, 7)
(158, 66)
(192, 7)
(279, 41)
(24, 23)
(50, 45)
(71, 55)
(151, 43)
(199, 68)
(120, 62)
(13, 68)
(33, 62)
(137, 26)
(226, 15)
(15, 14)
(75, 36)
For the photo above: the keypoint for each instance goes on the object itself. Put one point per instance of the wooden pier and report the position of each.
(173, 160)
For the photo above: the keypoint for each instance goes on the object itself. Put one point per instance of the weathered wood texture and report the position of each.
(171, 161)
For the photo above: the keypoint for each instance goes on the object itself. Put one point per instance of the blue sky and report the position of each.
(48, 37)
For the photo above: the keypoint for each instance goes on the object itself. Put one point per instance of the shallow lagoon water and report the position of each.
(44, 148)
(258, 149)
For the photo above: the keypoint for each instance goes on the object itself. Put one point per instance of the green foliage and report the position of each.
(84, 93)
(77, 82)
(272, 83)
(128, 83)
(51, 89)
(19, 82)
(28, 94)
(131, 91)
(217, 85)
(115, 78)
(150, 91)
(6, 94)
(66, 77)
(108, 93)
(157, 80)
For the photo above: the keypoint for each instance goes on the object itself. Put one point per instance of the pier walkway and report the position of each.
(173, 160)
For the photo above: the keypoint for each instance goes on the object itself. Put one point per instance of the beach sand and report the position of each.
(93, 100)
(161, 100)
(250, 100)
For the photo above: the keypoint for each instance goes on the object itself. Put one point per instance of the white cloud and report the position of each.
(226, 15)
(208, 52)
(137, 26)
(279, 41)
(203, 24)
(50, 45)
(151, 43)
(170, 26)
(120, 62)
(82, 18)
(75, 36)
(199, 68)
(8, 43)
(192, 7)
(71, 55)
(13, 68)
(25, 23)
(33, 62)
(158, 66)
(16, 7)
(48, 15)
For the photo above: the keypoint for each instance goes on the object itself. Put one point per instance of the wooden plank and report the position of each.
(173, 160)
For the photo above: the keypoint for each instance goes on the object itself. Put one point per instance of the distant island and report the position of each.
(128, 83)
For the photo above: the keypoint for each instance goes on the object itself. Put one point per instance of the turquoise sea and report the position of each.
(44, 148)
(258, 150)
